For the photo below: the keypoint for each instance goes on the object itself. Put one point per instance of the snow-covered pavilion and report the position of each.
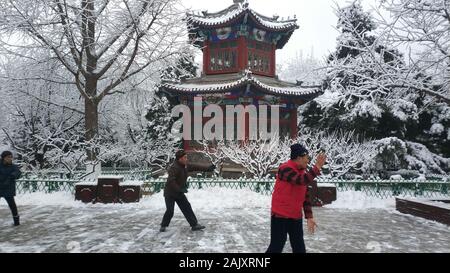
(239, 64)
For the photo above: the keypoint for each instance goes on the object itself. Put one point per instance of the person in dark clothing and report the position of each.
(175, 189)
(9, 172)
(289, 198)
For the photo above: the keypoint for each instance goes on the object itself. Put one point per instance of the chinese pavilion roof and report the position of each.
(240, 13)
(224, 83)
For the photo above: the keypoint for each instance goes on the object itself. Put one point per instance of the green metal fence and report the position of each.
(375, 188)
(391, 188)
(45, 185)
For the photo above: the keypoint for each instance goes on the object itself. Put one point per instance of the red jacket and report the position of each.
(290, 193)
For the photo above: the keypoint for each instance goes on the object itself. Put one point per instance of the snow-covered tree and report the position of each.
(185, 67)
(41, 120)
(46, 141)
(140, 126)
(372, 89)
(345, 152)
(421, 27)
(356, 72)
(159, 118)
(146, 119)
(306, 70)
(353, 97)
(102, 47)
(258, 157)
(214, 152)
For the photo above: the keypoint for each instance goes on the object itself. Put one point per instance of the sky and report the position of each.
(317, 33)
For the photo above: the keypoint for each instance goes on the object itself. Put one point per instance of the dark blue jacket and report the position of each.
(8, 176)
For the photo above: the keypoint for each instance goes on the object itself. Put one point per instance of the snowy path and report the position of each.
(56, 223)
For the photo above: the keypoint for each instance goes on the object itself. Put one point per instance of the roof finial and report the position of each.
(243, 3)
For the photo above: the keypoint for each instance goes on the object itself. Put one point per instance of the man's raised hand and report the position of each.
(321, 158)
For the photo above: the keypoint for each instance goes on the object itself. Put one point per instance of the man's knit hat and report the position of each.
(5, 154)
(179, 154)
(298, 150)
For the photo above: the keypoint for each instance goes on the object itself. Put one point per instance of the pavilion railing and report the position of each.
(374, 187)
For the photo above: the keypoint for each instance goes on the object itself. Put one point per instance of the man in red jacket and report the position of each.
(290, 197)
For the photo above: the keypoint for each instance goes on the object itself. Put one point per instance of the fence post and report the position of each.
(257, 186)
(418, 189)
(267, 186)
(395, 189)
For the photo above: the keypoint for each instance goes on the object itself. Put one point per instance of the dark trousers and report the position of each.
(12, 205)
(279, 229)
(184, 206)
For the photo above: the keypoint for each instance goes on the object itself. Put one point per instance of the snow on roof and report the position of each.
(436, 202)
(235, 11)
(215, 19)
(132, 183)
(271, 86)
(274, 23)
(111, 176)
(86, 183)
(330, 185)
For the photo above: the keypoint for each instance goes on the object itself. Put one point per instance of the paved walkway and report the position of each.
(123, 228)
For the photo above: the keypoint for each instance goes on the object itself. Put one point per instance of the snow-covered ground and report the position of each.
(235, 220)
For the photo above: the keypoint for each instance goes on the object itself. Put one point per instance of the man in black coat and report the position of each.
(9, 172)
(175, 189)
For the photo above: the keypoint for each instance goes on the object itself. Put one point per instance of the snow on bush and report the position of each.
(396, 177)
(425, 161)
(402, 109)
(329, 98)
(394, 154)
(366, 109)
(436, 129)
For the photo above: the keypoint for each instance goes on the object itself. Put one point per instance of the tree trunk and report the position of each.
(90, 103)
(91, 125)
(91, 116)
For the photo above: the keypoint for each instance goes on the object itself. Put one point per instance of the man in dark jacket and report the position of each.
(289, 198)
(9, 172)
(175, 189)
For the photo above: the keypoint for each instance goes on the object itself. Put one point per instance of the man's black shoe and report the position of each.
(16, 220)
(198, 227)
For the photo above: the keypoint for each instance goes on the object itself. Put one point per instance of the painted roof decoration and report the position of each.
(225, 83)
(241, 13)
